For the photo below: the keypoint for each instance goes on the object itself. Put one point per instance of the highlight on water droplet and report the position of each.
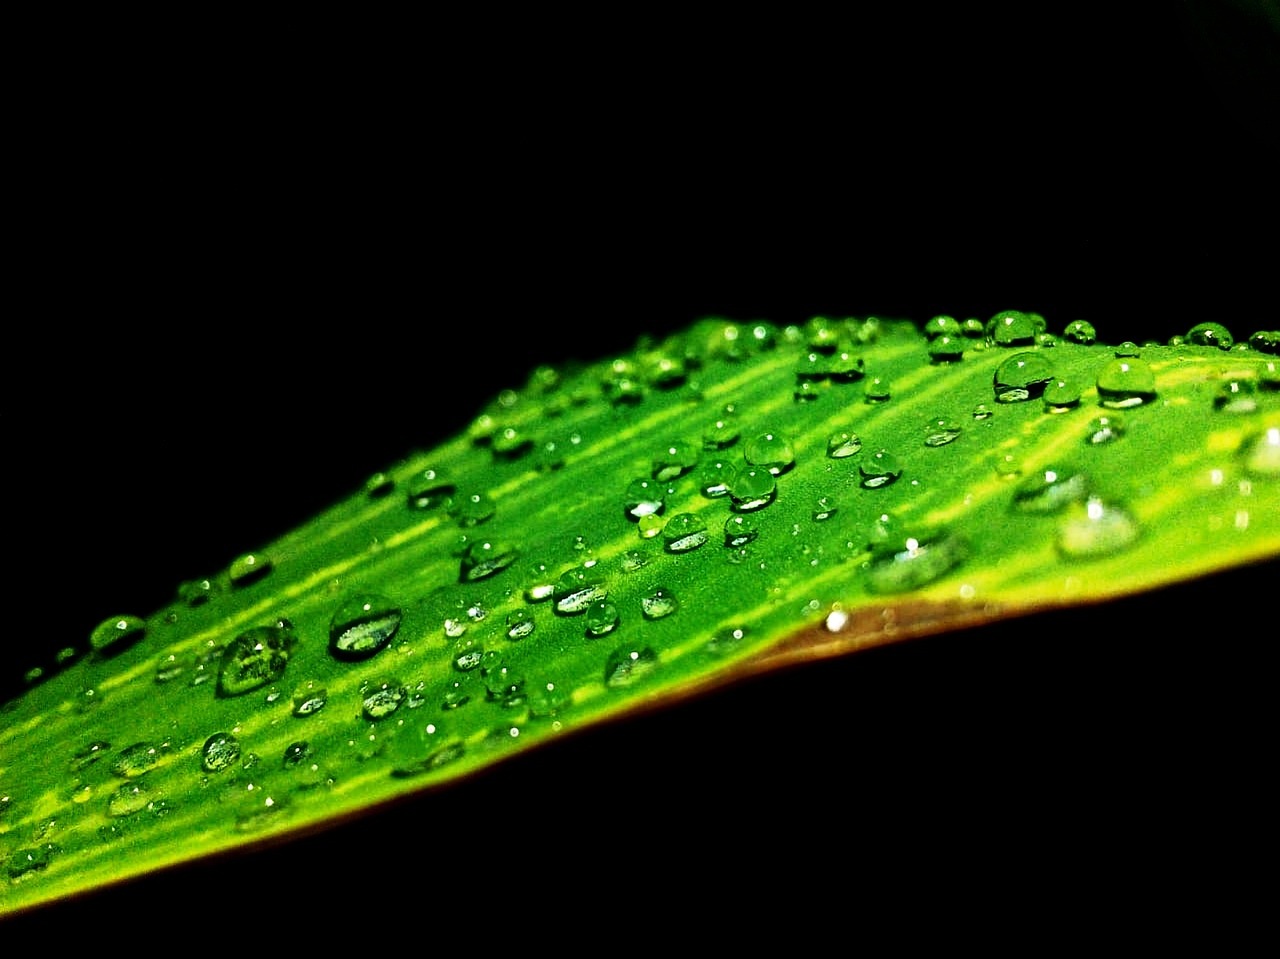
(427, 489)
(1126, 382)
(1080, 331)
(578, 588)
(1096, 528)
(362, 625)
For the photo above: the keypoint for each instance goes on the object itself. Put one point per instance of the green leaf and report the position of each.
(633, 536)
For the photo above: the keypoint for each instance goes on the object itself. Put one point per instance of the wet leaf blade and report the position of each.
(848, 553)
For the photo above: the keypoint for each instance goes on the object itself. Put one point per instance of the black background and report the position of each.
(248, 278)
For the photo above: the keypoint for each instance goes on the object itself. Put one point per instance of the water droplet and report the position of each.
(472, 509)
(137, 759)
(632, 560)
(1126, 382)
(942, 325)
(658, 604)
(1104, 429)
(877, 390)
(1096, 528)
(520, 625)
(1050, 491)
(255, 658)
(644, 497)
(982, 412)
(1061, 395)
(879, 469)
(842, 444)
(539, 583)
(684, 532)
(947, 348)
(940, 432)
(739, 530)
(362, 625)
(485, 558)
(1013, 327)
(1261, 453)
(1210, 334)
(720, 434)
(905, 563)
(770, 451)
(674, 459)
(427, 489)
(1265, 341)
(577, 589)
(196, 592)
(505, 686)
(1236, 394)
(1128, 350)
(89, 754)
(1022, 377)
(601, 617)
(295, 754)
(628, 664)
(1080, 331)
(727, 640)
(219, 751)
(823, 509)
(715, 478)
(381, 699)
(753, 489)
(309, 697)
(248, 568)
(116, 633)
(509, 443)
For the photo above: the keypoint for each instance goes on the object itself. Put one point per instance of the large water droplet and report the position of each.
(739, 530)
(1261, 453)
(116, 634)
(715, 478)
(362, 625)
(1013, 327)
(753, 489)
(906, 563)
(1050, 490)
(644, 497)
(1210, 334)
(942, 325)
(878, 389)
(219, 751)
(880, 469)
(255, 658)
(1061, 395)
(1022, 377)
(578, 588)
(771, 451)
(684, 532)
(947, 348)
(601, 617)
(380, 699)
(1096, 528)
(674, 459)
(1126, 382)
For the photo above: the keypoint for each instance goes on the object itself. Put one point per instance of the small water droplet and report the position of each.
(1080, 331)
(629, 664)
(1126, 382)
(427, 489)
(1013, 327)
(1104, 429)
(658, 604)
(136, 759)
(485, 558)
(753, 489)
(940, 432)
(219, 751)
(129, 798)
(1128, 350)
(878, 389)
(255, 658)
(1096, 528)
(1022, 377)
(905, 563)
(472, 509)
(823, 509)
(115, 634)
(196, 592)
(381, 699)
(1236, 394)
(1265, 341)
(1261, 453)
(684, 532)
(601, 618)
(509, 443)
(715, 478)
(720, 434)
(942, 325)
(1061, 395)
(982, 412)
(948, 348)
(309, 697)
(880, 469)
(674, 459)
(539, 583)
(739, 530)
(362, 625)
(842, 443)
(249, 568)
